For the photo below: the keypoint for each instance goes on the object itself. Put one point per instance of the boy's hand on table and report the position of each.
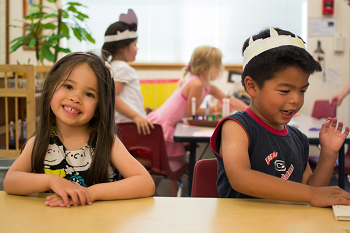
(67, 193)
(328, 196)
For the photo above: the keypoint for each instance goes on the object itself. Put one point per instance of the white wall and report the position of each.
(333, 60)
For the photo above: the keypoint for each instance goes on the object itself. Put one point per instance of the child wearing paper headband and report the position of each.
(120, 46)
(258, 154)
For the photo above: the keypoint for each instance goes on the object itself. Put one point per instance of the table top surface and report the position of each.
(166, 214)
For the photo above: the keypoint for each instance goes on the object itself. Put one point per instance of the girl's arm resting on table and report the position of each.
(340, 95)
(20, 181)
(143, 125)
(254, 183)
(137, 181)
(331, 140)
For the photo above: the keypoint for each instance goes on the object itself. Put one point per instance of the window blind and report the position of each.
(169, 31)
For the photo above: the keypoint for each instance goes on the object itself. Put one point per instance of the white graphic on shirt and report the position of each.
(280, 165)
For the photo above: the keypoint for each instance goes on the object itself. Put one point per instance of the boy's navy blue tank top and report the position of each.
(281, 153)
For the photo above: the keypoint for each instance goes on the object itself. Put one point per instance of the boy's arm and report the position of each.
(137, 181)
(234, 151)
(331, 140)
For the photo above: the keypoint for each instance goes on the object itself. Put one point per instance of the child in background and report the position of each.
(258, 154)
(205, 66)
(120, 45)
(75, 152)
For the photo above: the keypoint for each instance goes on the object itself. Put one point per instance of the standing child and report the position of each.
(120, 44)
(205, 66)
(75, 152)
(258, 154)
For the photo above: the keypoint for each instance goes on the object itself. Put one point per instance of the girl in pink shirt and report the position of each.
(205, 66)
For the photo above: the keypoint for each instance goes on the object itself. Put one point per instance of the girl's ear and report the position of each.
(250, 86)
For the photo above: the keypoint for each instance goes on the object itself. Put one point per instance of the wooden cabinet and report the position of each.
(19, 93)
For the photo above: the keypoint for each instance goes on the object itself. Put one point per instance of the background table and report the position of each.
(185, 133)
(165, 214)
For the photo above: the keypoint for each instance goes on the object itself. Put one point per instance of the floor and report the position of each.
(163, 187)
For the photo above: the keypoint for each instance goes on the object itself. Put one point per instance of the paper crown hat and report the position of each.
(128, 18)
(261, 45)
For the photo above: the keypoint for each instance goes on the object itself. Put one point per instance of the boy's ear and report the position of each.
(250, 86)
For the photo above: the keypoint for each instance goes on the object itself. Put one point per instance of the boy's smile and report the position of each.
(280, 97)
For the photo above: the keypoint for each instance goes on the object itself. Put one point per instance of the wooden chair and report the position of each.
(155, 144)
(204, 179)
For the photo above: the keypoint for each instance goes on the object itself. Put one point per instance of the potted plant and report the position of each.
(44, 30)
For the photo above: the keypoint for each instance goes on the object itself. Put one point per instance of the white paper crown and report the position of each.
(121, 36)
(261, 45)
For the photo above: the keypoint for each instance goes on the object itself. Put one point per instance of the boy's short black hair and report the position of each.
(264, 66)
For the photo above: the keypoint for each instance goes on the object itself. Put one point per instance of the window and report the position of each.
(170, 30)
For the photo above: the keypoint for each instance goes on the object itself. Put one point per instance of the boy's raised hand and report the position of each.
(331, 136)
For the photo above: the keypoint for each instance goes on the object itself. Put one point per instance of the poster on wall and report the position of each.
(29, 6)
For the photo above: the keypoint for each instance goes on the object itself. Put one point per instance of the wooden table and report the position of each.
(165, 214)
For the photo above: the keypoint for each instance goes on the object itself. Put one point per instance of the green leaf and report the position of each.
(72, 9)
(88, 36)
(52, 1)
(48, 26)
(53, 15)
(65, 15)
(32, 43)
(64, 28)
(48, 55)
(77, 33)
(75, 4)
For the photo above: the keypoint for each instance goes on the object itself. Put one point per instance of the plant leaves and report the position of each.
(48, 55)
(32, 43)
(64, 28)
(76, 33)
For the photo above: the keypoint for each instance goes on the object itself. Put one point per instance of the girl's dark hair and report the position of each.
(110, 49)
(103, 121)
(264, 66)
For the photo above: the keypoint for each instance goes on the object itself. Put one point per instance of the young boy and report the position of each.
(258, 154)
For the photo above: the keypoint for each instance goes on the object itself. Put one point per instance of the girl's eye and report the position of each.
(67, 86)
(88, 94)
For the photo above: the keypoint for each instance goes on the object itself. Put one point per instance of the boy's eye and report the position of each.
(303, 91)
(284, 91)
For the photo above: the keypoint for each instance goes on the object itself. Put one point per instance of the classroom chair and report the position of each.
(204, 179)
(322, 109)
(154, 143)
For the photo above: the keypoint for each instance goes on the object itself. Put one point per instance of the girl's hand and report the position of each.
(143, 125)
(331, 136)
(67, 193)
(328, 196)
(237, 104)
